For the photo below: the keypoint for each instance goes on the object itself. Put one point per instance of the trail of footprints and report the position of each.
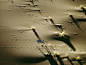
(61, 36)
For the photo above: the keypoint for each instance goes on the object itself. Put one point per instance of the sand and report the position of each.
(18, 42)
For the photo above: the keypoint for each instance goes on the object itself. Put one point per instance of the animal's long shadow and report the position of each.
(60, 26)
(80, 20)
(65, 39)
(75, 21)
(68, 59)
(50, 59)
(83, 10)
(56, 25)
(48, 56)
(59, 59)
(78, 60)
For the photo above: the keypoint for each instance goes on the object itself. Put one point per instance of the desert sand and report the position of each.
(60, 23)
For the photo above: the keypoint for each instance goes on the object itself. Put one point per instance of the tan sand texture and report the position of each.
(42, 32)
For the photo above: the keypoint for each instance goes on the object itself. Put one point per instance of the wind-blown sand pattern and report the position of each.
(43, 32)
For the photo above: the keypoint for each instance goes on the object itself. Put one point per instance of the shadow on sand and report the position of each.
(48, 56)
(75, 21)
(65, 39)
(30, 60)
